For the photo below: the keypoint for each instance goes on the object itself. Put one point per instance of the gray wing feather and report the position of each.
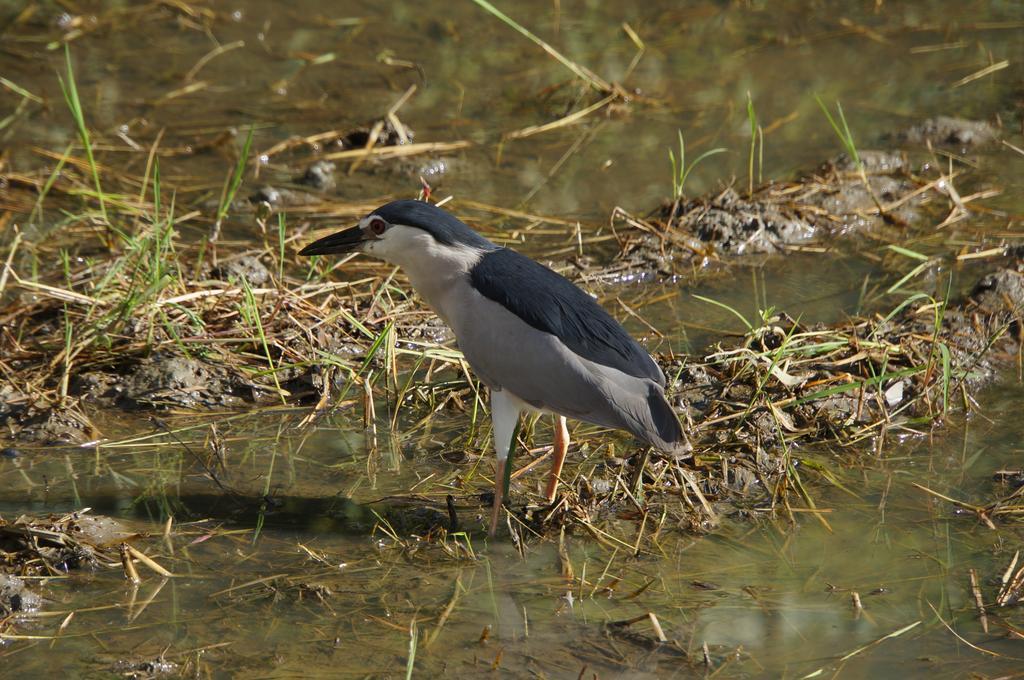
(507, 353)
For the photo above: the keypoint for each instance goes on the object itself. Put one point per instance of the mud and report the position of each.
(318, 182)
(851, 204)
(240, 268)
(812, 210)
(53, 546)
(359, 137)
(163, 381)
(146, 668)
(319, 178)
(60, 543)
(998, 291)
(278, 197)
(37, 421)
(414, 170)
(728, 224)
(319, 175)
(16, 597)
(950, 132)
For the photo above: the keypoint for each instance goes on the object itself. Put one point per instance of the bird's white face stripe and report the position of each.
(435, 269)
(411, 248)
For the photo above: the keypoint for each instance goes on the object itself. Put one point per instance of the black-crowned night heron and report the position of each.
(539, 342)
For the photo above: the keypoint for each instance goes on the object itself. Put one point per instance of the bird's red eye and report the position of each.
(378, 226)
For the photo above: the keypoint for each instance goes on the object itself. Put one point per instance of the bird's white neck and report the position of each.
(436, 271)
(439, 279)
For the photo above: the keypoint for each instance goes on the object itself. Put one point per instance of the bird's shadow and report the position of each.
(405, 515)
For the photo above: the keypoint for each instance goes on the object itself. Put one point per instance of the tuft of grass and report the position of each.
(681, 170)
(231, 185)
(842, 130)
(70, 90)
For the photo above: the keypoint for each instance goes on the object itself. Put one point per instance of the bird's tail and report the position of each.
(667, 434)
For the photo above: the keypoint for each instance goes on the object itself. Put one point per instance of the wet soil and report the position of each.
(35, 547)
(816, 209)
(959, 133)
(16, 597)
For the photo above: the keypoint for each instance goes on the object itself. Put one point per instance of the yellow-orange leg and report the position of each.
(561, 446)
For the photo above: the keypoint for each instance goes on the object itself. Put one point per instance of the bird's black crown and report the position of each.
(441, 224)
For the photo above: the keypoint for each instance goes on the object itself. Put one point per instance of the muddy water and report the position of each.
(319, 591)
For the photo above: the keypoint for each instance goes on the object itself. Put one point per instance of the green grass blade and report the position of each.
(70, 90)
(581, 72)
(909, 275)
(37, 209)
(908, 253)
(682, 170)
(414, 636)
(280, 247)
(726, 308)
(706, 154)
(946, 374)
(841, 129)
(752, 119)
(234, 182)
(17, 89)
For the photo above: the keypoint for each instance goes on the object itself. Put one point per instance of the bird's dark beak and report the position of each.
(347, 241)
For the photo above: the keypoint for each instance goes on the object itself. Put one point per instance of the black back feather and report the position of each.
(551, 303)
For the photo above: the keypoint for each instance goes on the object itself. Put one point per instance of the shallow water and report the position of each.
(768, 597)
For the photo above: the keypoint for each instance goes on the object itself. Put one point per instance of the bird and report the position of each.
(538, 341)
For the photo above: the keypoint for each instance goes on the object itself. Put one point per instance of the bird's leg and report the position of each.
(557, 456)
(505, 410)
